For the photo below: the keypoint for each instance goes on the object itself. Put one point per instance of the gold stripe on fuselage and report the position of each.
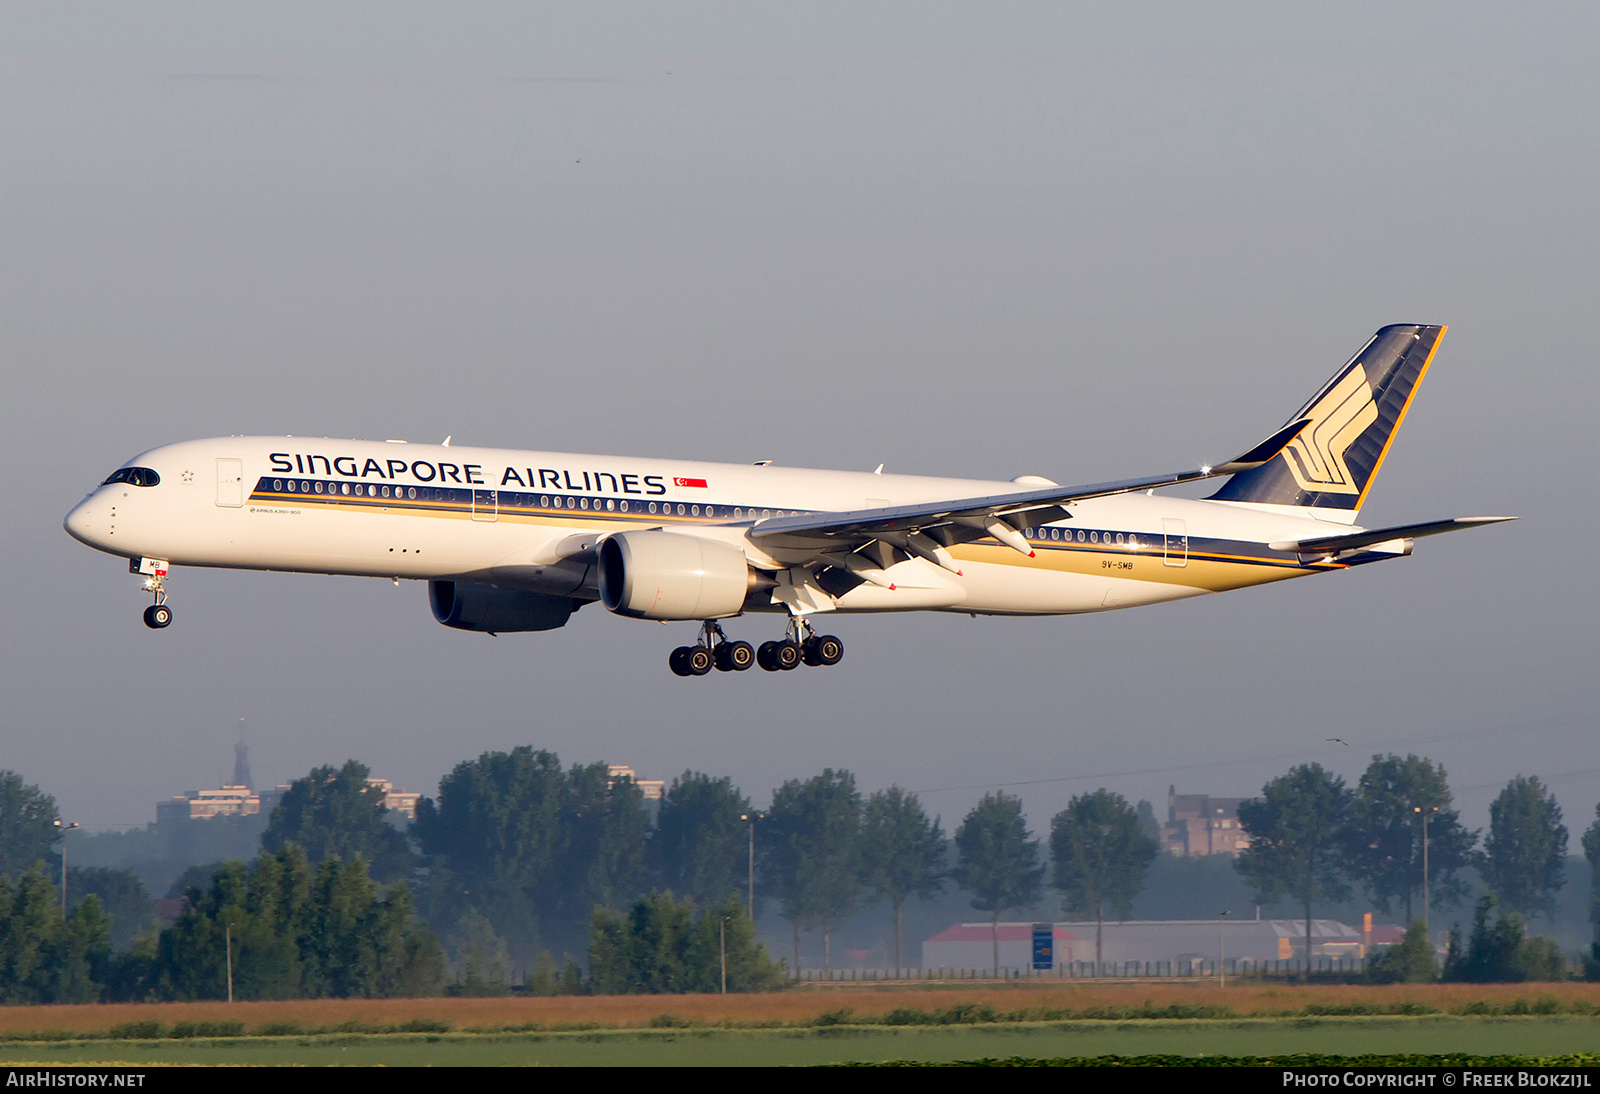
(1210, 571)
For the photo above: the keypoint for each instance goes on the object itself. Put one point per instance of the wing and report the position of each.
(925, 530)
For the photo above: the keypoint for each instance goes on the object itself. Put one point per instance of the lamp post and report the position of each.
(1424, 814)
(722, 946)
(64, 829)
(1221, 952)
(750, 819)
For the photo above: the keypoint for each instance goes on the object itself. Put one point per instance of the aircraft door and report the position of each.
(485, 504)
(1176, 537)
(230, 483)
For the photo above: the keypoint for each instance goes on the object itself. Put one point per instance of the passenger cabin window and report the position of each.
(133, 476)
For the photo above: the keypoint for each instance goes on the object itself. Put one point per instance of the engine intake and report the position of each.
(664, 575)
(471, 607)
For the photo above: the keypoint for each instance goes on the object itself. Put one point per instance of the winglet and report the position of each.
(1264, 451)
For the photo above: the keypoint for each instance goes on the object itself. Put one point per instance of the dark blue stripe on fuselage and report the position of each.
(486, 502)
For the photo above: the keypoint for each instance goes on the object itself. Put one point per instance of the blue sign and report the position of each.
(1044, 945)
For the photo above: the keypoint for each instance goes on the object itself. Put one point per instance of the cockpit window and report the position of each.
(133, 476)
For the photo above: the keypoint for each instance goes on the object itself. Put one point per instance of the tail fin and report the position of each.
(1331, 465)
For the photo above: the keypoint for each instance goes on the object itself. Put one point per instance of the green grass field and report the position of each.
(722, 1047)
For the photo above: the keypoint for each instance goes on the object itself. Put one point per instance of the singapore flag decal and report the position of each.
(701, 483)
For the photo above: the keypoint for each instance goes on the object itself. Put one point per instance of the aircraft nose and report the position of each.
(89, 521)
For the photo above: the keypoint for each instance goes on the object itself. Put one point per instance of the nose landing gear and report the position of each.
(157, 615)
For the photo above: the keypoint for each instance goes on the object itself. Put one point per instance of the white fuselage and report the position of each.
(528, 520)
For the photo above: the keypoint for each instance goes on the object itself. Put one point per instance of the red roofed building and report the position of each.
(1178, 941)
(971, 946)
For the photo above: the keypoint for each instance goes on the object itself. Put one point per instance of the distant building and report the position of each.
(241, 765)
(971, 945)
(1202, 825)
(169, 909)
(228, 801)
(652, 789)
(239, 800)
(399, 801)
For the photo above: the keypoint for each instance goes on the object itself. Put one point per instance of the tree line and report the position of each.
(272, 929)
(518, 858)
(1396, 835)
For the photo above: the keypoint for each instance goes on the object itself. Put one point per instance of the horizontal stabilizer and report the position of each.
(1356, 540)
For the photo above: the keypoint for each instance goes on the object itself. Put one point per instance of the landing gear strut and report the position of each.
(801, 645)
(713, 651)
(157, 615)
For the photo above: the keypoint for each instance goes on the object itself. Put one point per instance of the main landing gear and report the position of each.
(157, 615)
(713, 651)
(801, 646)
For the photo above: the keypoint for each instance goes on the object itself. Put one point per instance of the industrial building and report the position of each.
(1180, 941)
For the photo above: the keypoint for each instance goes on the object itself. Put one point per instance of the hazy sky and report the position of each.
(1082, 241)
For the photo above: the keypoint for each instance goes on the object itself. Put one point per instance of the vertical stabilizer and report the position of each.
(1331, 465)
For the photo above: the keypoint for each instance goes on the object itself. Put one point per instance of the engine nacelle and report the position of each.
(472, 607)
(665, 575)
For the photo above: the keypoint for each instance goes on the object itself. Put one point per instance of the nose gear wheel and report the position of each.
(157, 615)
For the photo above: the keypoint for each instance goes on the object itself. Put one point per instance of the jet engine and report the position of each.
(652, 574)
(472, 607)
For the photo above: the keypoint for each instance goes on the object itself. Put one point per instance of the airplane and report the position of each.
(511, 540)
